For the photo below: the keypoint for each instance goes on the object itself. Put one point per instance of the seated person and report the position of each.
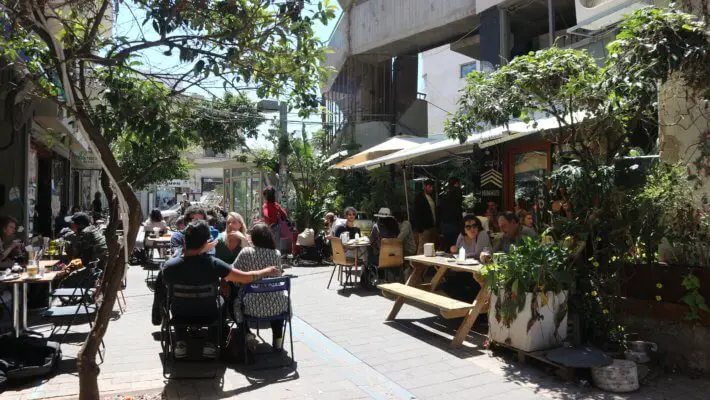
(9, 246)
(385, 227)
(406, 234)
(177, 241)
(155, 221)
(261, 255)
(347, 224)
(473, 239)
(233, 239)
(513, 231)
(192, 267)
(88, 242)
(461, 285)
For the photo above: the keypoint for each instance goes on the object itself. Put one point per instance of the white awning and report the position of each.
(395, 144)
(228, 164)
(428, 152)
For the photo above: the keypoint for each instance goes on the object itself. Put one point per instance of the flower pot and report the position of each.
(619, 377)
(528, 332)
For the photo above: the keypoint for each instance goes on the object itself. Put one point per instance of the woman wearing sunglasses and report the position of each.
(473, 238)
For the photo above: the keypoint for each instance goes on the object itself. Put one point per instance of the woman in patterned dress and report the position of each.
(263, 253)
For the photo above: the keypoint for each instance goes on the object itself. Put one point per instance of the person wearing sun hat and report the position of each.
(385, 227)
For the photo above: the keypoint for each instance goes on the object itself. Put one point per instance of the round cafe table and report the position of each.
(20, 323)
(358, 248)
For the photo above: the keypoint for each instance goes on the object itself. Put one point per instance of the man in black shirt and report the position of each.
(194, 268)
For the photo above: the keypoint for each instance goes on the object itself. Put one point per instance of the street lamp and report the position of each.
(268, 106)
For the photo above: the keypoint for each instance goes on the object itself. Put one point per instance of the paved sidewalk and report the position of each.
(344, 350)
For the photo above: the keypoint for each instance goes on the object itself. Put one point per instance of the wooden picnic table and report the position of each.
(449, 308)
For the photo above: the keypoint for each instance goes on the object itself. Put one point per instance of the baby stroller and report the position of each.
(311, 249)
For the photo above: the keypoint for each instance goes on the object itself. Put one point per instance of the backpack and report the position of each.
(28, 357)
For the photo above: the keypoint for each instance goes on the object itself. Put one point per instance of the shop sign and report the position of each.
(85, 160)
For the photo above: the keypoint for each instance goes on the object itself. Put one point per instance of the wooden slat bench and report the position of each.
(426, 294)
(449, 308)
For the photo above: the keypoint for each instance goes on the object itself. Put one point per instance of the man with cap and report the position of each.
(87, 243)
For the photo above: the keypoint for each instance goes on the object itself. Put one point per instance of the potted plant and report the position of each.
(529, 293)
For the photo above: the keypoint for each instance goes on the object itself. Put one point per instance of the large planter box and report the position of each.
(525, 332)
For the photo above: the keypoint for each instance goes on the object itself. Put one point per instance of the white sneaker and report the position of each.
(180, 349)
(209, 350)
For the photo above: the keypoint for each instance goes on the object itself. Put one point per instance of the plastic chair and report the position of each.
(391, 255)
(205, 297)
(154, 263)
(269, 285)
(340, 262)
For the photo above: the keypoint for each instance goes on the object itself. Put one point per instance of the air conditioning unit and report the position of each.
(596, 15)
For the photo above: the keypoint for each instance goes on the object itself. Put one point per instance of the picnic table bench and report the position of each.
(448, 307)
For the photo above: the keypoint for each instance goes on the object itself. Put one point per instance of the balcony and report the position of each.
(394, 27)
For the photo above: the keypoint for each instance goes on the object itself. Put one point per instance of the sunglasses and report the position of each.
(470, 226)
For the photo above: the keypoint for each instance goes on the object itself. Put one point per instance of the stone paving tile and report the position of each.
(345, 350)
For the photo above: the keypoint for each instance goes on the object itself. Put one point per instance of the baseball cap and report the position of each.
(80, 218)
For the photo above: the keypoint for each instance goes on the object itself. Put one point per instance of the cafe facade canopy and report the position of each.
(432, 151)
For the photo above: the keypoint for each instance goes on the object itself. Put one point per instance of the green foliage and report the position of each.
(553, 81)
(600, 111)
(312, 181)
(150, 132)
(693, 298)
(531, 267)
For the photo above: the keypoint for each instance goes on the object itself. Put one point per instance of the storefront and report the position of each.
(242, 190)
(47, 186)
(86, 180)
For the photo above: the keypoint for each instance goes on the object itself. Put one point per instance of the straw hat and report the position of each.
(384, 213)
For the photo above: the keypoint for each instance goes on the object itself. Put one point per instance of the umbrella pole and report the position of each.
(406, 195)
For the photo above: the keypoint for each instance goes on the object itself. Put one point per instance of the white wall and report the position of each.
(683, 122)
(442, 82)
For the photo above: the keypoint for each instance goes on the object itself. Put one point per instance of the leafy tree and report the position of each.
(63, 47)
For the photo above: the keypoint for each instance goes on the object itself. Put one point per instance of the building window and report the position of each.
(467, 68)
(211, 153)
(211, 184)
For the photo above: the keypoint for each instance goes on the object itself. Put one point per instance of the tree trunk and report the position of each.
(115, 266)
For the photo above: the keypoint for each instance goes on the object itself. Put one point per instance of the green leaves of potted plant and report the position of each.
(528, 308)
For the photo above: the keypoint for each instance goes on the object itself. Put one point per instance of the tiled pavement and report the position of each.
(344, 350)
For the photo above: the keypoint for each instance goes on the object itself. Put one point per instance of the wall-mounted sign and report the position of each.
(492, 178)
(85, 160)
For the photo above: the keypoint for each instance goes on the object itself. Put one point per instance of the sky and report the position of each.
(154, 59)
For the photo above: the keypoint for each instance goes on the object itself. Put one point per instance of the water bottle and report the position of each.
(462, 254)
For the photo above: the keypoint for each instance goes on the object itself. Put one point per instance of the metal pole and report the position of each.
(283, 153)
(406, 195)
(551, 20)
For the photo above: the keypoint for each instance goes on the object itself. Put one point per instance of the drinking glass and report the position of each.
(485, 256)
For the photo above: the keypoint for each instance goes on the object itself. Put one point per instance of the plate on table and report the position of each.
(9, 277)
(34, 278)
(441, 254)
(468, 261)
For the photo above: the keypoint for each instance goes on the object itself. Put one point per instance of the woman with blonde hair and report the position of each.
(233, 239)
